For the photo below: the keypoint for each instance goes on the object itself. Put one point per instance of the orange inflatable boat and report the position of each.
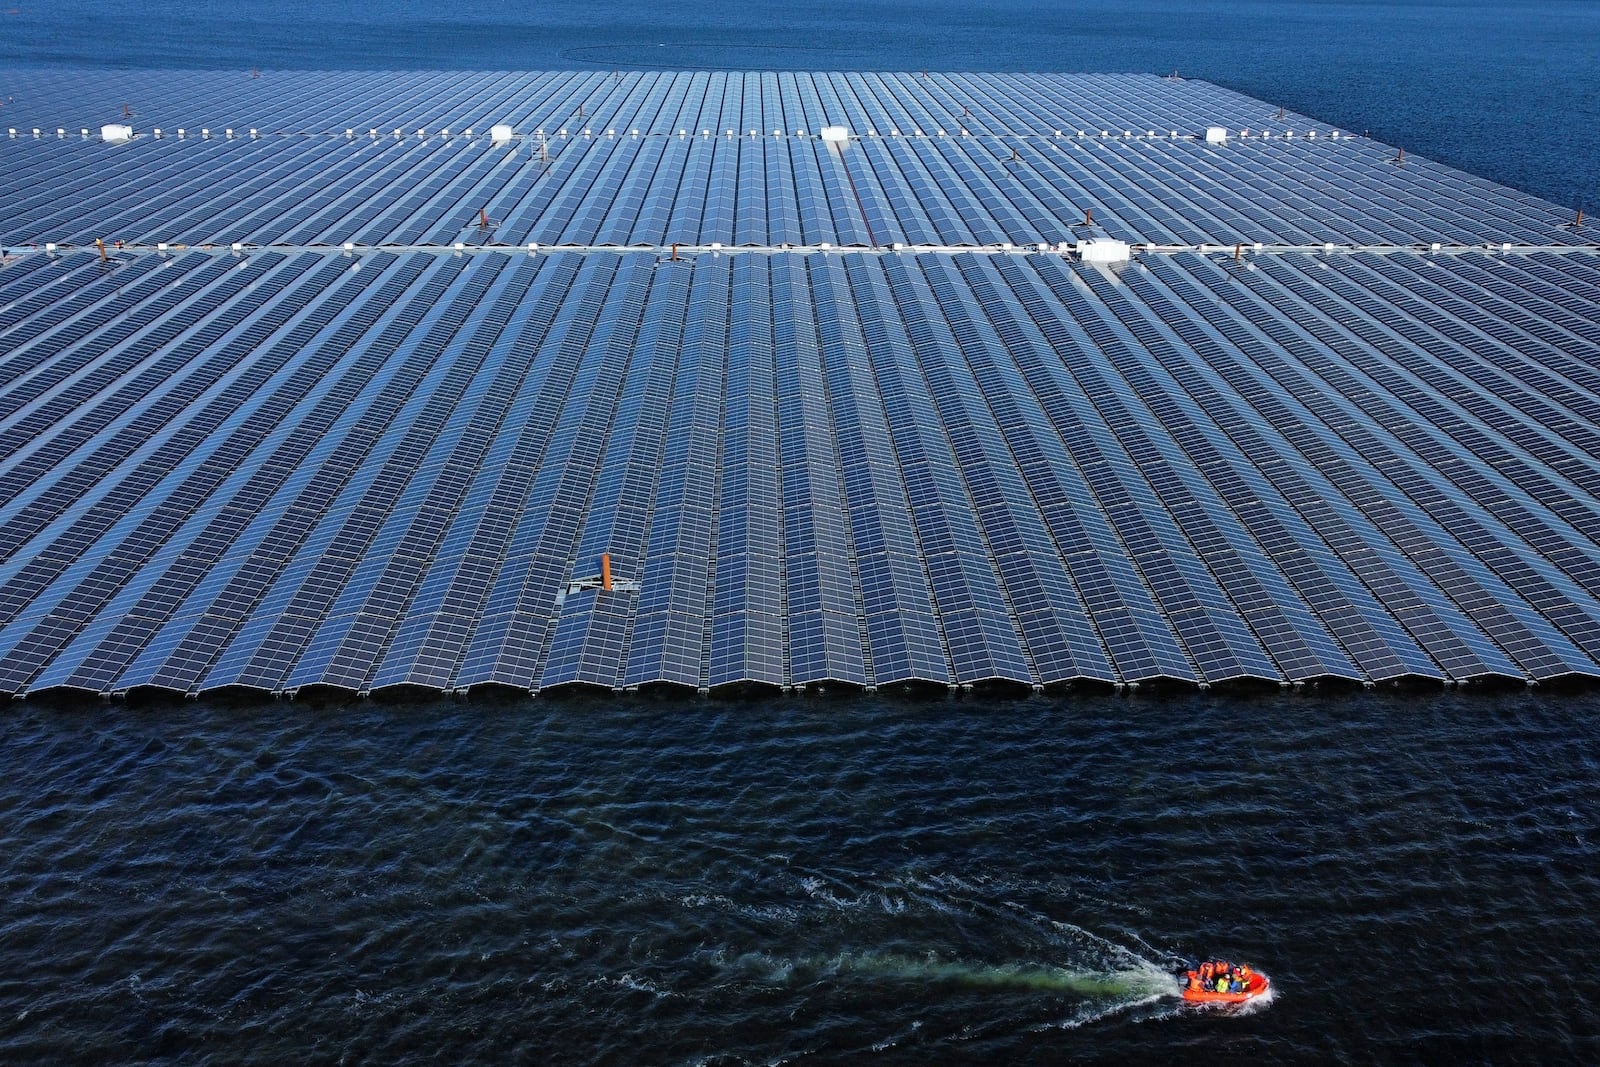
(1247, 986)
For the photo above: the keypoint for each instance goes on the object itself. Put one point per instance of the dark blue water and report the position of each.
(830, 881)
(1509, 89)
(806, 880)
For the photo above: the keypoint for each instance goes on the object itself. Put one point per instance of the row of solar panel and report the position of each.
(312, 101)
(946, 469)
(738, 191)
(805, 102)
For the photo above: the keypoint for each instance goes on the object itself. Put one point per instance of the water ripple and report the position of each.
(959, 881)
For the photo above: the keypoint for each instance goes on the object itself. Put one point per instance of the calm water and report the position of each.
(808, 880)
(833, 880)
(1509, 89)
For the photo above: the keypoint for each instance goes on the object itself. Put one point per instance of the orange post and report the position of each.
(101, 245)
(605, 571)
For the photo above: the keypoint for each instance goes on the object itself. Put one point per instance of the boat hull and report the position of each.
(1258, 986)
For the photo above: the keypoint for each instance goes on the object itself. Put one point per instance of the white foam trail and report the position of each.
(1141, 981)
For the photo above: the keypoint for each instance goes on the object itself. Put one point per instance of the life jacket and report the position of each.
(1206, 969)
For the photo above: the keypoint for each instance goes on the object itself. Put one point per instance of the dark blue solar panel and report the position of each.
(297, 463)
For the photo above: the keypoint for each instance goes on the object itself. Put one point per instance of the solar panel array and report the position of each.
(353, 393)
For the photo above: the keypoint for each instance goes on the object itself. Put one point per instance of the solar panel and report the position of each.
(353, 393)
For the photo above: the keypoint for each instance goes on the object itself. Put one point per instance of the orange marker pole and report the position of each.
(101, 245)
(483, 217)
(1237, 251)
(1088, 216)
(605, 571)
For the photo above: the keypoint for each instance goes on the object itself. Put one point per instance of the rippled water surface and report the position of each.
(811, 880)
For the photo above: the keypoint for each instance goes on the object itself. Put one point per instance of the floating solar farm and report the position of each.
(446, 382)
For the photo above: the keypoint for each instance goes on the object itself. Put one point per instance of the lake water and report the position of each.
(1509, 89)
(806, 880)
(830, 880)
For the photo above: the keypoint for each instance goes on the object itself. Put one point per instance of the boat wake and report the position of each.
(927, 960)
(1139, 982)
